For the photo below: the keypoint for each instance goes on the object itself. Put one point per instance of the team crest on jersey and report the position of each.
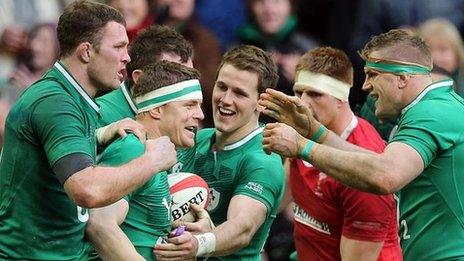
(177, 167)
(214, 196)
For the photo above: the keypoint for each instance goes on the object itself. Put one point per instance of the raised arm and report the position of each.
(377, 173)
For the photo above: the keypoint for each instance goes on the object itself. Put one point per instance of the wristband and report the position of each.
(206, 244)
(321, 131)
(100, 134)
(306, 151)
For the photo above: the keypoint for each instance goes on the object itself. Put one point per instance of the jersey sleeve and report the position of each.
(366, 217)
(427, 132)
(58, 123)
(120, 152)
(262, 178)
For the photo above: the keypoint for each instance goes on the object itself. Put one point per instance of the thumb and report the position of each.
(199, 211)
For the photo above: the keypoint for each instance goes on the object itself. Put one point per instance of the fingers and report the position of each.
(122, 133)
(278, 96)
(199, 211)
(171, 252)
(141, 135)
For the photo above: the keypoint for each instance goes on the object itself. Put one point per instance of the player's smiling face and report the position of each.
(180, 120)
(235, 101)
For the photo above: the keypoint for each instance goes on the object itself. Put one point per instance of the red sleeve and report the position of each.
(366, 217)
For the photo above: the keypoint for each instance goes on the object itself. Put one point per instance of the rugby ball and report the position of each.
(186, 189)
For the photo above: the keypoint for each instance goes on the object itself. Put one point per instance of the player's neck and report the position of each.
(342, 121)
(78, 70)
(224, 138)
(152, 130)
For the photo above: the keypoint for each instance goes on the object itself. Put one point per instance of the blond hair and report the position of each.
(440, 27)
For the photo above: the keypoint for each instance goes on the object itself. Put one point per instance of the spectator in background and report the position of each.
(207, 52)
(40, 53)
(223, 18)
(447, 48)
(138, 14)
(274, 29)
(17, 17)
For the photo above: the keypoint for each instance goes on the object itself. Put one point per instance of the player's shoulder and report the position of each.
(204, 134)
(122, 150)
(110, 98)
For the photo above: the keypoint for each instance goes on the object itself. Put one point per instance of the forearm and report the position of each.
(112, 244)
(107, 237)
(100, 186)
(232, 236)
(364, 171)
(327, 137)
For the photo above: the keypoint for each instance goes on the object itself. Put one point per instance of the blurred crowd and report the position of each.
(287, 29)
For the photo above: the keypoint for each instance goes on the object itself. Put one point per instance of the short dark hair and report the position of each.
(399, 44)
(329, 61)
(160, 74)
(151, 43)
(253, 59)
(83, 21)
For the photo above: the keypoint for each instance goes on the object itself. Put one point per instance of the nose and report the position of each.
(125, 56)
(367, 86)
(199, 113)
(227, 97)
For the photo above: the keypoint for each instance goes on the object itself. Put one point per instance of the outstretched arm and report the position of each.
(382, 173)
(294, 113)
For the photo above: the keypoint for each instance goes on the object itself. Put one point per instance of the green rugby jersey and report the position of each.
(148, 220)
(242, 168)
(432, 205)
(115, 106)
(53, 118)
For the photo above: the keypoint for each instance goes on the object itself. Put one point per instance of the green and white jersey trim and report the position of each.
(433, 86)
(60, 67)
(245, 139)
(128, 97)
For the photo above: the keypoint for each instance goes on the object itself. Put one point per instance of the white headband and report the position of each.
(181, 91)
(323, 83)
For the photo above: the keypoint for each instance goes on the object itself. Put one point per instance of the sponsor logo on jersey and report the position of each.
(258, 188)
(304, 218)
(214, 196)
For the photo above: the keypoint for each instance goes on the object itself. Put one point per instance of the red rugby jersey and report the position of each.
(325, 209)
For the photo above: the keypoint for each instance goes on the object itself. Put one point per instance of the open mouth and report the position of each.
(192, 129)
(374, 96)
(122, 73)
(225, 112)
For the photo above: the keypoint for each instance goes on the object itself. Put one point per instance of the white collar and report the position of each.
(349, 129)
(76, 85)
(244, 140)
(128, 97)
(429, 88)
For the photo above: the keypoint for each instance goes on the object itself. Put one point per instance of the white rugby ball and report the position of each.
(186, 189)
